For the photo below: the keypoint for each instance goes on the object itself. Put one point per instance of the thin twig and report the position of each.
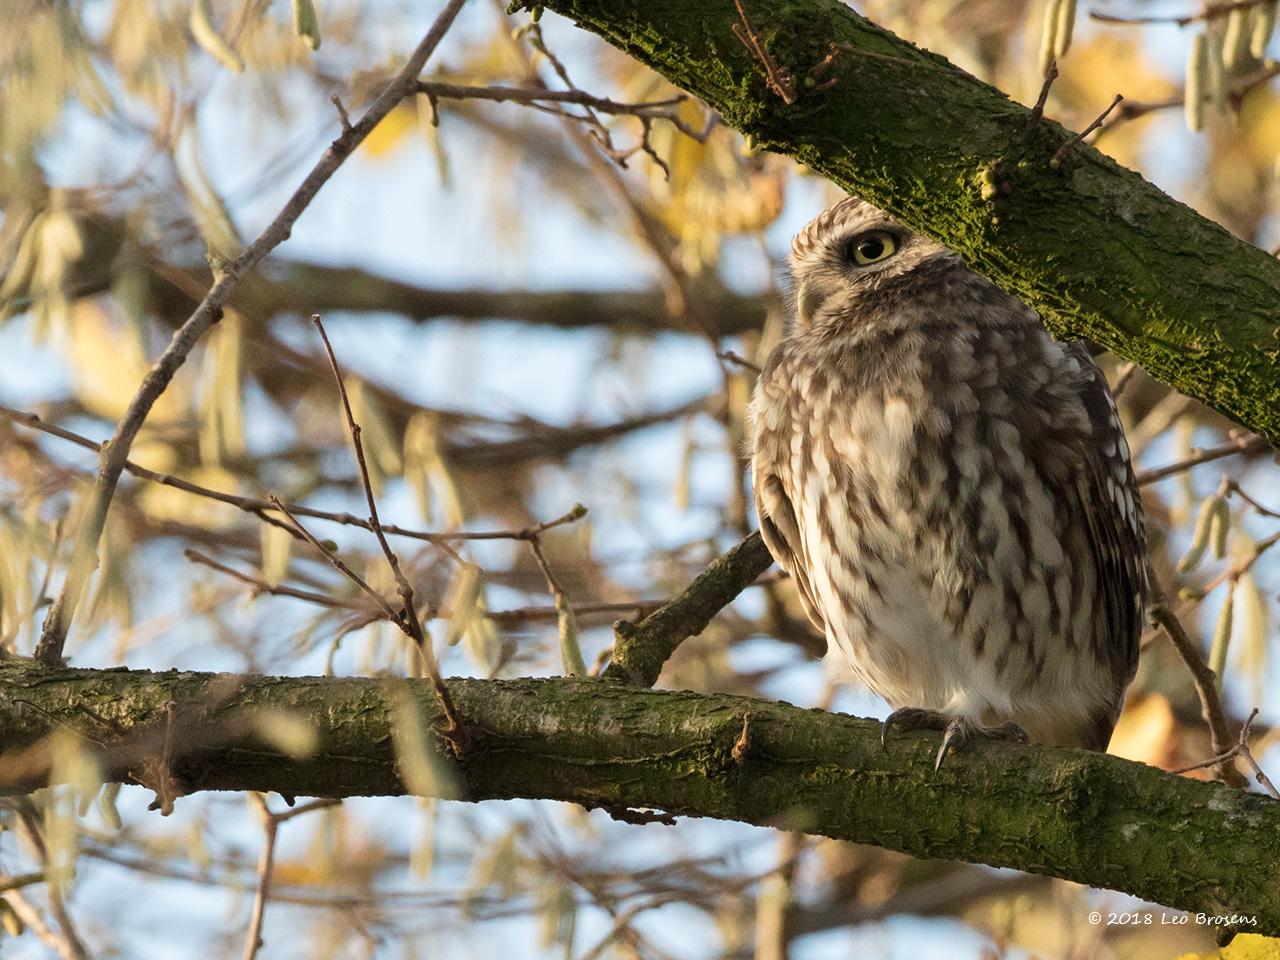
(1239, 749)
(1206, 687)
(407, 617)
(26, 911)
(1210, 12)
(263, 586)
(1244, 444)
(261, 508)
(730, 357)
(553, 585)
(654, 109)
(1124, 377)
(1132, 109)
(1233, 487)
(776, 77)
(343, 117)
(623, 920)
(1242, 566)
(266, 863)
(320, 803)
(84, 559)
(1056, 160)
(596, 149)
(405, 589)
(1050, 75)
(515, 616)
(20, 880)
(1247, 754)
(332, 558)
(67, 943)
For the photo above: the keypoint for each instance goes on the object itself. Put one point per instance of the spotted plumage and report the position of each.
(949, 488)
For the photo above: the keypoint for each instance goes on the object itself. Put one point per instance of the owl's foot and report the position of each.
(956, 731)
(911, 718)
(961, 730)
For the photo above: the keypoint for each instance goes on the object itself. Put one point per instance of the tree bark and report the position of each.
(1082, 816)
(1098, 250)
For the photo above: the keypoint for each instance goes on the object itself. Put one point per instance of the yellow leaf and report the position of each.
(305, 23)
(288, 732)
(1145, 731)
(107, 366)
(207, 36)
(170, 503)
(1245, 946)
(277, 548)
(298, 873)
(395, 127)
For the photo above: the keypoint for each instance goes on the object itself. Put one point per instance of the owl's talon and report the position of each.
(960, 731)
(911, 718)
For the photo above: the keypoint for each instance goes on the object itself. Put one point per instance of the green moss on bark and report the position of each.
(1081, 816)
(1096, 249)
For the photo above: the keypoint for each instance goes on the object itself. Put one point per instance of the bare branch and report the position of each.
(641, 649)
(407, 617)
(84, 558)
(1211, 11)
(1056, 160)
(1206, 687)
(266, 862)
(260, 508)
(1243, 444)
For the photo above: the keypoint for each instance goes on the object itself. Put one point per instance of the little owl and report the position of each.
(950, 490)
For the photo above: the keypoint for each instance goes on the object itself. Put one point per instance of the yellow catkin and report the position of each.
(1200, 537)
(1217, 76)
(1065, 28)
(1235, 38)
(1264, 23)
(1197, 71)
(1220, 528)
(1049, 34)
(570, 652)
(201, 23)
(11, 922)
(1222, 635)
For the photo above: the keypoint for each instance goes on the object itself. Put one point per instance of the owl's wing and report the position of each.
(781, 535)
(1112, 508)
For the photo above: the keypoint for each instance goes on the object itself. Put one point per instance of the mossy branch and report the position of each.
(640, 650)
(1098, 250)
(1082, 816)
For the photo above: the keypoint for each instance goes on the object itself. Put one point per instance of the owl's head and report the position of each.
(854, 254)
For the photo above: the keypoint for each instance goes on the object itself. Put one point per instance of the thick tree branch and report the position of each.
(294, 286)
(283, 286)
(1083, 816)
(1099, 251)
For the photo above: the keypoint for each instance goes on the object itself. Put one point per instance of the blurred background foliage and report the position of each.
(533, 311)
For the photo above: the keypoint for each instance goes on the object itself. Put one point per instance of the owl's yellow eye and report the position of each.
(872, 247)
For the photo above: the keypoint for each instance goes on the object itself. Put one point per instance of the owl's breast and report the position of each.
(928, 495)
